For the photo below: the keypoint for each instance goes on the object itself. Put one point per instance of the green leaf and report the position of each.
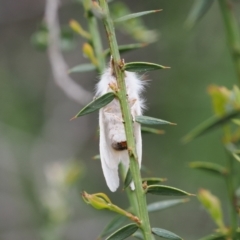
(166, 191)
(198, 10)
(153, 180)
(138, 235)
(96, 104)
(216, 236)
(123, 232)
(128, 179)
(126, 48)
(236, 121)
(142, 67)
(210, 124)
(213, 206)
(210, 167)
(113, 225)
(236, 157)
(151, 121)
(165, 234)
(161, 205)
(82, 68)
(151, 130)
(135, 15)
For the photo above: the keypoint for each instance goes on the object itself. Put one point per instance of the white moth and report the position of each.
(113, 146)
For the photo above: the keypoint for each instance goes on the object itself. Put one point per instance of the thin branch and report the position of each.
(59, 67)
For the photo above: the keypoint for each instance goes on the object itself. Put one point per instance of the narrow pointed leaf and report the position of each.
(135, 15)
(198, 10)
(161, 205)
(210, 124)
(138, 235)
(166, 191)
(142, 67)
(165, 234)
(128, 179)
(123, 232)
(216, 236)
(153, 180)
(210, 167)
(126, 48)
(113, 225)
(82, 68)
(236, 157)
(151, 130)
(96, 104)
(236, 121)
(151, 121)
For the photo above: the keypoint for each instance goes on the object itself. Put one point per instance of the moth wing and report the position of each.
(136, 111)
(138, 137)
(109, 157)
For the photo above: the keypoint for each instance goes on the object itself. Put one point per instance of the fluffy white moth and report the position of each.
(113, 145)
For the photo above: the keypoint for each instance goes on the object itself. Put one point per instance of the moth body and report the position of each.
(113, 144)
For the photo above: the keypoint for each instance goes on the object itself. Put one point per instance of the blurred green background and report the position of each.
(40, 147)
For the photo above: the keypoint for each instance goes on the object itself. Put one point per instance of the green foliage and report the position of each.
(151, 121)
(153, 180)
(161, 205)
(151, 130)
(149, 185)
(212, 123)
(210, 168)
(142, 67)
(123, 232)
(133, 27)
(82, 68)
(96, 104)
(126, 48)
(199, 9)
(165, 234)
(166, 191)
(134, 15)
(226, 106)
(113, 225)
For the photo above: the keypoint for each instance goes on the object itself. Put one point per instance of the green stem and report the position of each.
(232, 197)
(130, 194)
(95, 37)
(233, 37)
(122, 95)
(232, 32)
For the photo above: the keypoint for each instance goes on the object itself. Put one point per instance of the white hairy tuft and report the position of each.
(112, 128)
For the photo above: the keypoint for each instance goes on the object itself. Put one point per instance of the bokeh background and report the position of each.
(40, 147)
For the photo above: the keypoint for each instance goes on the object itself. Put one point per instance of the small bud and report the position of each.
(101, 201)
(97, 10)
(213, 207)
(89, 53)
(76, 27)
(98, 200)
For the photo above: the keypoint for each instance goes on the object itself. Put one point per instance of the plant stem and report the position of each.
(127, 118)
(233, 37)
(232, 32)
(95, 37)
(232, 197)
(131, 197)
